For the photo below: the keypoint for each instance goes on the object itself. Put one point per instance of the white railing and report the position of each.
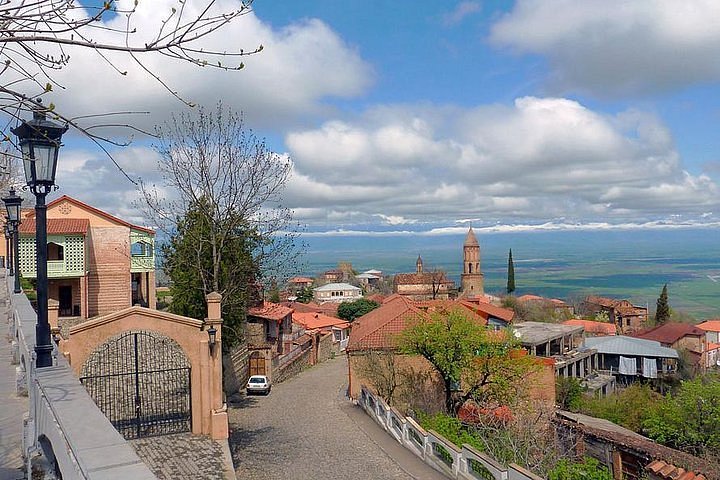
(464, 462)
(63, 423)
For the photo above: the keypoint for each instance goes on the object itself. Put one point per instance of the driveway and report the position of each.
(307, 429)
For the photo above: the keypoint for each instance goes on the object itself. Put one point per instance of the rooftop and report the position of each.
(622, 345)
(710, 325)
(336, 286)
(270, 311)
(598, 328)
(537, 333)
(57, 226)
(313, 320)
(669, 333)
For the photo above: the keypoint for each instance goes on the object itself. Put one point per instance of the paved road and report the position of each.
(12, 407)
(307, 429)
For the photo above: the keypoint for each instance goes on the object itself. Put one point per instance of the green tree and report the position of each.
(689, 419)
(274, 293)
(473, 362)
(510, 274)
(568, 393)
(662, 312)
(305, 295)
(351, 310)
(629, 407)
(189, 264)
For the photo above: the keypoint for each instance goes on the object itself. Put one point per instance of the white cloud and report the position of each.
(538, 158)
(617, 47)
(301, 65)
(460, 12)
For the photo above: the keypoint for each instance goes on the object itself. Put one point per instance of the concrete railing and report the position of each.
(465, 463)
(64, 430)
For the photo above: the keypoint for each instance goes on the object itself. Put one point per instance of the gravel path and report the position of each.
(307, 429)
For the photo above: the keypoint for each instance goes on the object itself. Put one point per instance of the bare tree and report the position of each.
(36, 37)
(219, 175)
(381, 368)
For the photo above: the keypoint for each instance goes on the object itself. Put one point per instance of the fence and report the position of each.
(63, 422)
(465, 463)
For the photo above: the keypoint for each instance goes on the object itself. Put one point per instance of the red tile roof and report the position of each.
(328, 308)
(96, 211)
(710, 325)
(270, 311)
(57, 226)
(300, 280)
(600, 328)
(486, 309)
(313, 320)
(378, 329)
(669, 333)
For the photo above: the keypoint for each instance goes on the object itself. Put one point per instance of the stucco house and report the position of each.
(97, 263)
(337, 292)
(680, 336)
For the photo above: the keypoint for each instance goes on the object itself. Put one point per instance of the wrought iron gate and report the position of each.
(141, 382)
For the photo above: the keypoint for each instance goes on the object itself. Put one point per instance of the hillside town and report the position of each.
(191, 187)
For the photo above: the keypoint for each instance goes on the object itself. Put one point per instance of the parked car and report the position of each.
(258, 383)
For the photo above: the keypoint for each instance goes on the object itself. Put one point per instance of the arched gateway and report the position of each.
(141, 382)
(153, 372)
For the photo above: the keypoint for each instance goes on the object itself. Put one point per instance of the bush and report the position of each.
(569, 393)
(629, 407)
(588, 469)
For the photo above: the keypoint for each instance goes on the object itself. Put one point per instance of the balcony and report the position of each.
(142, 264)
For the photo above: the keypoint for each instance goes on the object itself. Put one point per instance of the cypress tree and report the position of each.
(662, 312)
(510, 274)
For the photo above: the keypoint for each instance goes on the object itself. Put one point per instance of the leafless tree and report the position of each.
(213, 166)
(381, 368)
(36, 37)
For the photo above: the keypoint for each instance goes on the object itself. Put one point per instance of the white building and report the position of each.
(337, 292)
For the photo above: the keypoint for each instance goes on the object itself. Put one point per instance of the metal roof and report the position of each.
(336, 286)
(622, 345)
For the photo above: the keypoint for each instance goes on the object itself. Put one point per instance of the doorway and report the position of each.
(65, 300)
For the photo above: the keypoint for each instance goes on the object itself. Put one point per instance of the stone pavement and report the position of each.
(307, 429)
(12, 407)
(184, 456)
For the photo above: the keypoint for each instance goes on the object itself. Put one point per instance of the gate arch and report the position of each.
(140, 380)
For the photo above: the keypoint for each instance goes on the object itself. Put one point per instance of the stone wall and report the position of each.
(236, 369)
(255, 333)
(325, 347)
(293, 368)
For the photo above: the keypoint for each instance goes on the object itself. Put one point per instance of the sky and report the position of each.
(428, 116)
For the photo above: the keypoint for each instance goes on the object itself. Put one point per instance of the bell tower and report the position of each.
(419, 265)
(472, 278)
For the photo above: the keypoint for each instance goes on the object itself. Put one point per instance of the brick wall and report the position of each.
(255, 333)
(109, 287)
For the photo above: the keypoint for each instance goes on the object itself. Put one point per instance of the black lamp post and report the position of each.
(39, 141)
(12, 205)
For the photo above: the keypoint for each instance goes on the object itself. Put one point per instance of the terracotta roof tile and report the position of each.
(300, 280)
(426, 278)
(57, 226)
(593, 327)
(669, 333)
(270, 311)
(312, 320)
(710, 325)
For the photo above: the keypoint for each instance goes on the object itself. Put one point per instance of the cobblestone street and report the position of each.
(307, 429)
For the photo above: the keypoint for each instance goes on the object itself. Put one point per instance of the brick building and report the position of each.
(97, 263)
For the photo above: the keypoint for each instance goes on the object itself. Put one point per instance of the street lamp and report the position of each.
(39, 141)
(12, 205)
(212, 338)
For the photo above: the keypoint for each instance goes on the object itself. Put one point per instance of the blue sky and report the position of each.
(418, 115)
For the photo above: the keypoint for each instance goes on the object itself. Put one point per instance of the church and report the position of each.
(435, 285)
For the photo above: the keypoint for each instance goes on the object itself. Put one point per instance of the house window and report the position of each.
(141, 249)
(55, 251)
